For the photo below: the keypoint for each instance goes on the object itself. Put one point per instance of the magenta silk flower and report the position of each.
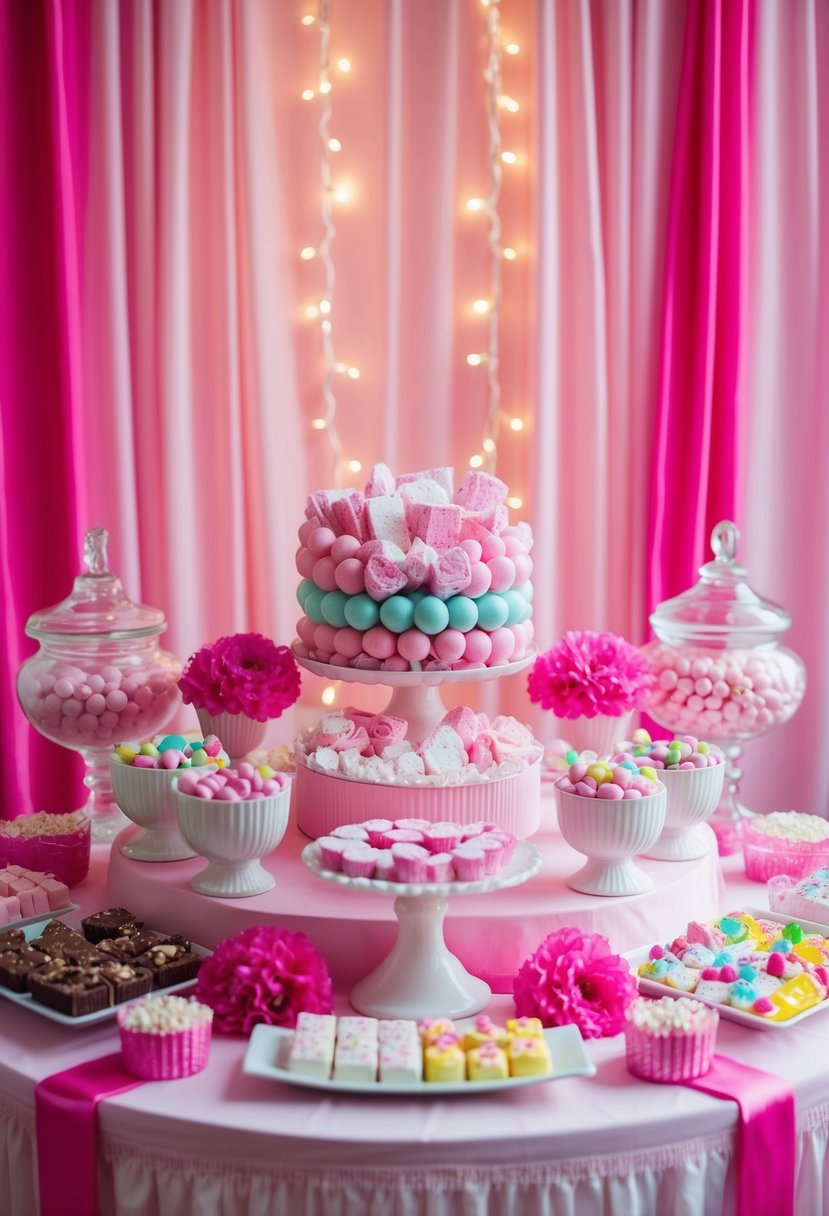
(588, 674)
(574, 977)
(244, 673)
(264, 974)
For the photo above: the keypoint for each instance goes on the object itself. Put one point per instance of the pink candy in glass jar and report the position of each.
(720, 670)
(99, 677)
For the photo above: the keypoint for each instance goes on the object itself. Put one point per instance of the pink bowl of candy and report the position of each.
(53, 844)
(610, 812)
(233, 818)
(784, 842)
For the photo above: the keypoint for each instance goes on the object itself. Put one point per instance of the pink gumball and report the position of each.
(414, 646)
(473, 549)
(480, 580)
(450, 645)
(320, 542)
(95, 682)
(116, 701)
(492, 546)
(96, 704)
(350, 574)
(503, 644)
(502, 571)
(523, 569)
(324, 638)
(323, 574)
(344, 547)
(513, 547)
(305, 562)
(339, 660)
(305, 530)
(301, 650)
(306, 628)
(395, 663)
(348, 642)
(64, 688)
(478, 646)
(112, 675)
(379, 642)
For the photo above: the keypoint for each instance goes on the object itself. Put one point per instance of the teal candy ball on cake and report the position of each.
(304, 589)
(431, 615)
(313, 605)
(492, 611)
(397, 613)
(417, 595)
(333, 609)
(463, 613)
(516, 606)
(361, 612)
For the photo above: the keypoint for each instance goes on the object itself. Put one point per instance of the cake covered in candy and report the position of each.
(467, 769)
(413, 574)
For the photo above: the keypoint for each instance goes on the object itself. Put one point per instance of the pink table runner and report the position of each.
(766, 1142)
(66, 1122)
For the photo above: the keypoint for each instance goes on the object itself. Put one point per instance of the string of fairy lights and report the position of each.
(333, 194)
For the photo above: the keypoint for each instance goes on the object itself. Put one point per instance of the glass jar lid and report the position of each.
(98, 607)
(722, 608)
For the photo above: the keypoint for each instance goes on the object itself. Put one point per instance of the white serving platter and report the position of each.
(25, 1000)
(755, 1021)
(39, 918)
(269, 1046)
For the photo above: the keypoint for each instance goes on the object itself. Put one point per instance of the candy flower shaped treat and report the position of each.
(588, 674)
(575, 978)
(264, 974)
(245, 673)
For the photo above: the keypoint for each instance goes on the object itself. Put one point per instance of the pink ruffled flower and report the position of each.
(245, 673)
(574, 977)
(588, 674)
(263, 974)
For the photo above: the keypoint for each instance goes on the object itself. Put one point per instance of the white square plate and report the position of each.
(754, 1020)
(268, 1049)
(25, 1000)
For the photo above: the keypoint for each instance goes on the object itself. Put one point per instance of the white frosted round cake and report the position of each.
(410, 574)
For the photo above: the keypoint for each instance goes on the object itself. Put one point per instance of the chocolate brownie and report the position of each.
(126, 949)
(171, 961)
(66, 944)
(76, 990)
(17, 964)
(112, 922)
(11, 939)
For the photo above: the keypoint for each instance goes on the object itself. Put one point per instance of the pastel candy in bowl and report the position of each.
(233, 819)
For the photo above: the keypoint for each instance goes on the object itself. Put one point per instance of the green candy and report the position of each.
(304, 589)
(313, 605)
(172, 741)
(516, 606)
(333, 608)
(733, 928)
(397, 613)
(463, 613)
(492, 611)
(793, 933)
(703, 748)
(571, 757)
(431, 615)
(361, 612)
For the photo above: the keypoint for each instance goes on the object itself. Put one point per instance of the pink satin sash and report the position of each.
(66, 1121)
(766, 1144)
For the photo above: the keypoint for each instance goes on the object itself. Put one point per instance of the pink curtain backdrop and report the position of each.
(659, 337)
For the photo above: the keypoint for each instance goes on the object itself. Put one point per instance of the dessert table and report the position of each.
(224, 1142)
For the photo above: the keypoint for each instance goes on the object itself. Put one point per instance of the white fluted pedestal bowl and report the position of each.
(601, 734)
(610, 834)
(233, 837)
(146, 796)
(692, 798)
(239, 734)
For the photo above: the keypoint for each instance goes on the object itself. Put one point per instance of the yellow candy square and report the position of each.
(443, 1064)
(528, 1057)
(525, 1028)
(487, 1063)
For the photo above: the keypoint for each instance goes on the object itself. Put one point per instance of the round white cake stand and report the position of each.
(421, 977)
(415, 694)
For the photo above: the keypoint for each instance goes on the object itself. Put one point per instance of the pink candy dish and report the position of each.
(165, 1037)
(54, 844)
(323, 803)
(802, 899)
(784, 842)
(670, 1040)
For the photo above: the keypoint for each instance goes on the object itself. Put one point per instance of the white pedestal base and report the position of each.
(610, 878)
(233, 882)
(684, 846)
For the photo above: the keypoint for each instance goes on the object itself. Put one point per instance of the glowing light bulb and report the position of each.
(510, 254)
(325, 307)
(354, 466)
(344, 65)
(512, 48)
(515, 502)
(318, 424)
(509, 103)
(475, 360)
(308, 19)
(354, 373)
(488, 445)
(509, 158)
(343, 193)
(308, 94)
(475, 204)
(312, 311)
(328, 695)
(516, 424)
(325, 87)
(340, 367)
(334, 145)
(325, 326)
(307, 253)
(480, 306)
(475, 461)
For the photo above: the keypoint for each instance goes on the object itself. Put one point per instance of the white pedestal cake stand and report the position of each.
(421, 977)
(415, 694)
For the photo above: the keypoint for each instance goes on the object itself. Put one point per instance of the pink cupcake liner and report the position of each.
(359, 861)
(677, 1056)
(470, 865)
(165, 1057)
(409, 862)
(440, 867)
(766, 856)
(332, 848)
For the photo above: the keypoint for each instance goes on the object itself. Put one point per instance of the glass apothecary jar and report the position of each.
(720, 670)
(99, 677)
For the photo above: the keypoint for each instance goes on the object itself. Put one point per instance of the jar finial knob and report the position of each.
(95, 551)
(724, 541)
